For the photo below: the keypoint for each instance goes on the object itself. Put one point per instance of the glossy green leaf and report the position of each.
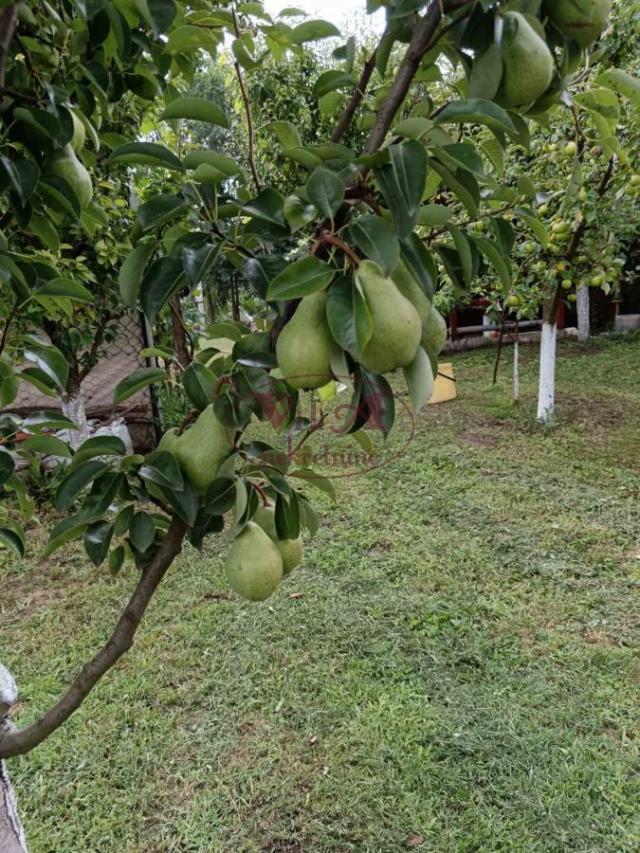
(434, 215)
(196, 109)
(137, 381)
(496, 258)
(477, 111)
(50, 360)
(142, 531)
(161, 280)
(146, 154)
(187, 38)
(324, 484)
(331, 80)
(622, 82)
(286, 133)
(204, 157)
(162, 468)
(58, 191)
(48, 445)
(68, 529)
(402, 183)
(301, 278)
(376, 240)
(132, 270)
(7, 466)
(220, 496)
(76, 481)
(199, 384)
(47, 420)
(162, 13)
(98, 445)
(97, 539)
(326, 191)
(10, 539)
(349, 316)
(160, 210)
(66, 288)
(313, 31)
(420, 380)
(116, 559)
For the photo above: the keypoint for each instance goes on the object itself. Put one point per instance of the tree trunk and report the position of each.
(12, 837)
(547, 386)
(73, 408)
(516, 371)
(584, 321)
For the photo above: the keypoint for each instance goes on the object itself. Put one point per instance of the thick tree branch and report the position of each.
(179, 332)
(422, 40)
(345, 119)
(20, 741)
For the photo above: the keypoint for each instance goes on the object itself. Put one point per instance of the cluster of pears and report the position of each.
(527, 61)
(581, 20)
(402, 319)
(258, 559)
(201, 449)
(65, 164)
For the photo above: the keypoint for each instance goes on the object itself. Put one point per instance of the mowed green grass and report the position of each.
(454, 667)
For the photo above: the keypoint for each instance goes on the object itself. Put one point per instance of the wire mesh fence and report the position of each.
(120, 357)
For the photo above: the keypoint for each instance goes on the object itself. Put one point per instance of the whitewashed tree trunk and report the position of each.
(584, 321)
(547, 386)
(516, 371)
(12, 837)
(74, 409)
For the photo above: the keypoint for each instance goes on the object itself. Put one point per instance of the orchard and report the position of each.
(290, 213)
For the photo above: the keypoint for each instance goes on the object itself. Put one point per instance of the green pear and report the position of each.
(434, 332)
(528, 64)
(410, 288)
(581, 20)
(304, 345)
(169, 441)
(290, 549)
(396, 323)
(254, 564)
(64, 164)
(201, 449)
(79, 134)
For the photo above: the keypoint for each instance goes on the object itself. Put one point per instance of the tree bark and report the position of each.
(584, 319)
(12, 837)
(73, 408)
(179, 332)
(19, 741)
(547, 385)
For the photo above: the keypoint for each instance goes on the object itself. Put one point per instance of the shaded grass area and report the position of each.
(454, 668)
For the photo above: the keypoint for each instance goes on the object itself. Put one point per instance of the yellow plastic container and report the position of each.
(444, 388)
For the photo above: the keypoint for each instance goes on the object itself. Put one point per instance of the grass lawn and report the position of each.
(457, 670)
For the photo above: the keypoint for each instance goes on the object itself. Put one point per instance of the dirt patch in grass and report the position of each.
(595, 412)
(479, 439)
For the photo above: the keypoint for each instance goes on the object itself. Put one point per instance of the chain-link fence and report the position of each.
(119, 359)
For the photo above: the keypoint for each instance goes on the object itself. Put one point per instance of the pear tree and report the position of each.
(344, 265)
(580, 174)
